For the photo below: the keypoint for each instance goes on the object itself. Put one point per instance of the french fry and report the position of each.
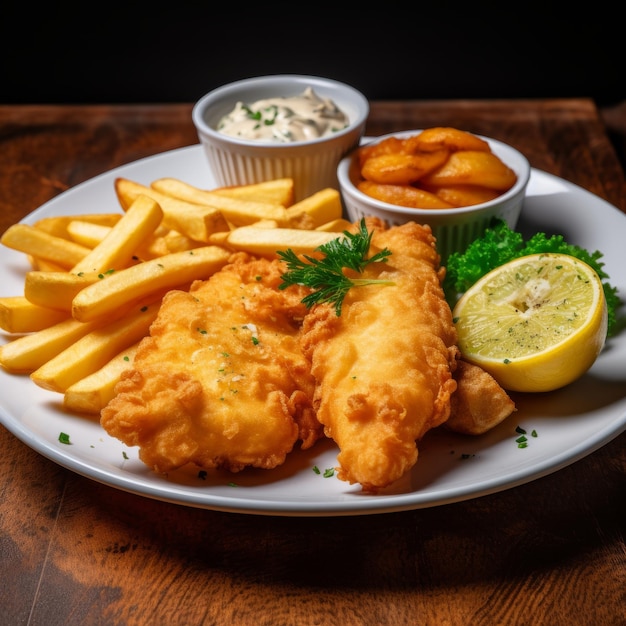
(116, 250)
(196, 221)
(81, 322)
(161, 242)
(39, 243)
(43, 265)
(266, 241)
(276, 191)
(236, 211)
(87, 234)
(219, 239)
(168, 242)
(56, 290)
(19, 315)
(92, 393)
(25, 354)
(119, 290)
(335, 226)
(265, 224)
(94, 349)
(317, 209)
(58, 224)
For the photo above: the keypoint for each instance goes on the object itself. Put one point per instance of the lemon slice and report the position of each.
(536, 323)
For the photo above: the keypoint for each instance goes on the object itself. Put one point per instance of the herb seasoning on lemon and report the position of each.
(536, 323)
(499, 244)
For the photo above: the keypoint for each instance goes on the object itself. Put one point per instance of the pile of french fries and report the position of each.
(96, 280)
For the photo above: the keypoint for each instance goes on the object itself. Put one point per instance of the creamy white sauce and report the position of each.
(285, 119)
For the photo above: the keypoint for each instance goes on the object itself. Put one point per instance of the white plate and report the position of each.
(570, 423)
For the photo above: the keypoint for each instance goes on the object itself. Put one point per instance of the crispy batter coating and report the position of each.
(384, 367)
(221, 381)
(479, 403)
(236, 372)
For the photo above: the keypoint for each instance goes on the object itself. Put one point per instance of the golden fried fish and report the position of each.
(383, 368)
(221, 381)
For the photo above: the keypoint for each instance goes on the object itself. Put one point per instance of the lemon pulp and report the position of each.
(536, 323)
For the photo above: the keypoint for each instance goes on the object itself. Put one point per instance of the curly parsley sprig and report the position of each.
(326, 275)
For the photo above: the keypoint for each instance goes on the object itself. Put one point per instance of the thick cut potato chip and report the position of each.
(237, 211)
(194, 220)
(390, 145)
(277, 191)
(267, 241)
(58, 225)
(25, 354)
(113, 295)
(19, 315)
(445, 138)
(402, 169)
(470, 167)
(336, 226)
(32, 240)
(92, 393)
(94, 350)
(57, 290)
(116, 250)
(465, 195)
(403, 195)
(86, 233)
(168, 242)
(319, 208)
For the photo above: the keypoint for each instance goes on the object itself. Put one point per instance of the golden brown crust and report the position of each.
(221, 381)
(384, 368)
(237, 371)
(479, 403)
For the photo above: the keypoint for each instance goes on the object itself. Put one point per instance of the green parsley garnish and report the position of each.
(500, 244)
(328, 472)
(64, 438)
(522, 440)
(326, 275)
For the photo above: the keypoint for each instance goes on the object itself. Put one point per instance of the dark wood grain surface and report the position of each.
(73, 551)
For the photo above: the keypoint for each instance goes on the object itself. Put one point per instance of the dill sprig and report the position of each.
(326, 275)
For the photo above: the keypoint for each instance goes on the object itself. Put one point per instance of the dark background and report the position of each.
(138, 52)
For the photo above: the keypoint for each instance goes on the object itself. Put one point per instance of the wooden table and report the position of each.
(77, 552)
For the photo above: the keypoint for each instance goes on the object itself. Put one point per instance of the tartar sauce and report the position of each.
(285, 119)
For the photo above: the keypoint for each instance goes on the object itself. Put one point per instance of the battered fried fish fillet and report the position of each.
(221, 381)
(479, 403)
(384, 367)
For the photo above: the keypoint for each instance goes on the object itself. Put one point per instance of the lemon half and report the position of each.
(536, 323)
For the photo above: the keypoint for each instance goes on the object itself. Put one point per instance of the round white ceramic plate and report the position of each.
(569, 423)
